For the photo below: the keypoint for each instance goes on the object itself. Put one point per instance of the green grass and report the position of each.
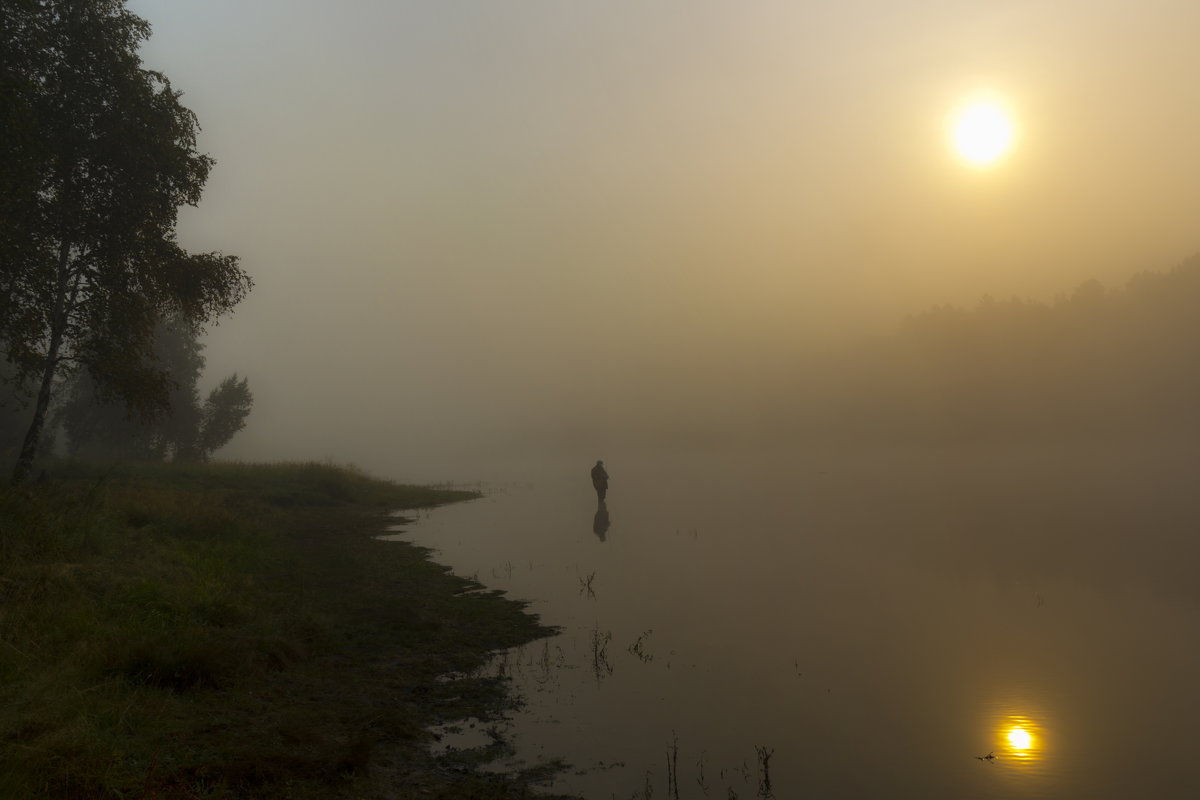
(233, 630)
(283, 484)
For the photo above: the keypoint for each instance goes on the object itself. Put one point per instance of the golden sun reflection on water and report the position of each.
(1020, 740)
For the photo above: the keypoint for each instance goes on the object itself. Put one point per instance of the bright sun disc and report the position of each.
(982, 133)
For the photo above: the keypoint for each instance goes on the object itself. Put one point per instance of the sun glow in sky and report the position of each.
(982, 132)
(722, 179)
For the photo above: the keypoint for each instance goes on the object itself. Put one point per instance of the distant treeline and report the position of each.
(1098, 363)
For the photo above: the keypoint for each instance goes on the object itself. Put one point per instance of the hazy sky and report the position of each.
(473, 220)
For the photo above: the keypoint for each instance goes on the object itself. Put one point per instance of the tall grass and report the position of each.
(128, 592)
(308, 483)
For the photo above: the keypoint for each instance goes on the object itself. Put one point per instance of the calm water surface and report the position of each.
(875, 625)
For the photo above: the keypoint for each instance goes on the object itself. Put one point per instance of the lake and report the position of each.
(992, 623)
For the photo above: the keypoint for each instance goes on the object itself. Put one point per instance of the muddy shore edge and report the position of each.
(240, 631)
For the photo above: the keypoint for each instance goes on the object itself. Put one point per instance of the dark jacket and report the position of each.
(599, 477)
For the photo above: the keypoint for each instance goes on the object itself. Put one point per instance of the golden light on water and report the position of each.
(1019, 740)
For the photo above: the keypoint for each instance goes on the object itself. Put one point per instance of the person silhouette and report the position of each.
(600, 481)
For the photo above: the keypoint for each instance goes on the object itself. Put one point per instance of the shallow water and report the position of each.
(875, 624)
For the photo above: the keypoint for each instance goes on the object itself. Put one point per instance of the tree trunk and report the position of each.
(34, 434)
(58, 326)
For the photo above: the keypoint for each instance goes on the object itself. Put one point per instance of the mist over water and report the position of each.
(879, 621)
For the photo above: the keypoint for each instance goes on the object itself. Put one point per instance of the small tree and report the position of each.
(98, 427)
(178, 349)
(103, 157)
(225, 413)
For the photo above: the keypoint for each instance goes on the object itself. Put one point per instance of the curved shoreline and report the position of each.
(245, 634)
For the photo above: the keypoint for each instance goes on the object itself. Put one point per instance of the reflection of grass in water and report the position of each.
(764, 770)
(725, 776)
(546, 663)
(600, 664)
(673, 768)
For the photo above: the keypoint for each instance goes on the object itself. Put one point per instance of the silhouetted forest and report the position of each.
(97, 424)
(1098, 363)
(91, 421)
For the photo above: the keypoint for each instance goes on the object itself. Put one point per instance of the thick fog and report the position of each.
(480, 229)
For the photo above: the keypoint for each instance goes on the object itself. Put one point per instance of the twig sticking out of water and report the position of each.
(673, 768)
(585, 585)
(638, 648)
(764, 771)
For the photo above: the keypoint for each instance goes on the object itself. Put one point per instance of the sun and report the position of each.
(982, 132)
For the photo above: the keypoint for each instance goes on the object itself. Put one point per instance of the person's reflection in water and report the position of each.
(600, 521)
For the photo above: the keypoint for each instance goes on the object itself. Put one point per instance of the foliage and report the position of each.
(185, 431)
(225, 413)
(102, 157)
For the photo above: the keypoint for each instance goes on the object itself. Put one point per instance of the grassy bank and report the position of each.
(228, 631)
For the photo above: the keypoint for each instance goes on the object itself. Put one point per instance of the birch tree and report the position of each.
(102, 157)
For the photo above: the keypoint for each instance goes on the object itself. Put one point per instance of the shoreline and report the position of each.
(240, 631)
